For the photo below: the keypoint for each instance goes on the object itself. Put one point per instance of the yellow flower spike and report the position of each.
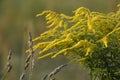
(88, 51)
(69, 36)
(81, 10)
(81, 59)
(53, 16)
(53, 44)
(46, 55)
(90, 26)
(44, 12)
(27, 51)
(60, 23)
(65, 24)
(80, 43)
(40, 45)
(50, 21)
(48, 15)
(42, 36)
(65, 16)
(61, 52)
(49, 46)
(75, 18)
(114, 30)
(105, 41)
(52, 24)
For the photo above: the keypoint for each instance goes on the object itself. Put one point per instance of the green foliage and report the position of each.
(91, 38)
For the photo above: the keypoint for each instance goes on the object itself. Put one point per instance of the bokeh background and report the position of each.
(18, 17)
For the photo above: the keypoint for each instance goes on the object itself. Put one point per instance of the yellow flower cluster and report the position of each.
(92, 38)
(83, 33)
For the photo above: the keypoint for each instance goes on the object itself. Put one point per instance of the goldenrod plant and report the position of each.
(90, 38)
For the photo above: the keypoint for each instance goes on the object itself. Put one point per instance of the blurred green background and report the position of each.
(18, 17)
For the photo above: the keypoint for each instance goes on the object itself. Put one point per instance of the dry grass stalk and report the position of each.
(9, 65)
(45, 77)
(26, 65)
(9, 55)
(22, 76)
(31, 44)
(32, 55)
(28, 58)
(55, 71)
